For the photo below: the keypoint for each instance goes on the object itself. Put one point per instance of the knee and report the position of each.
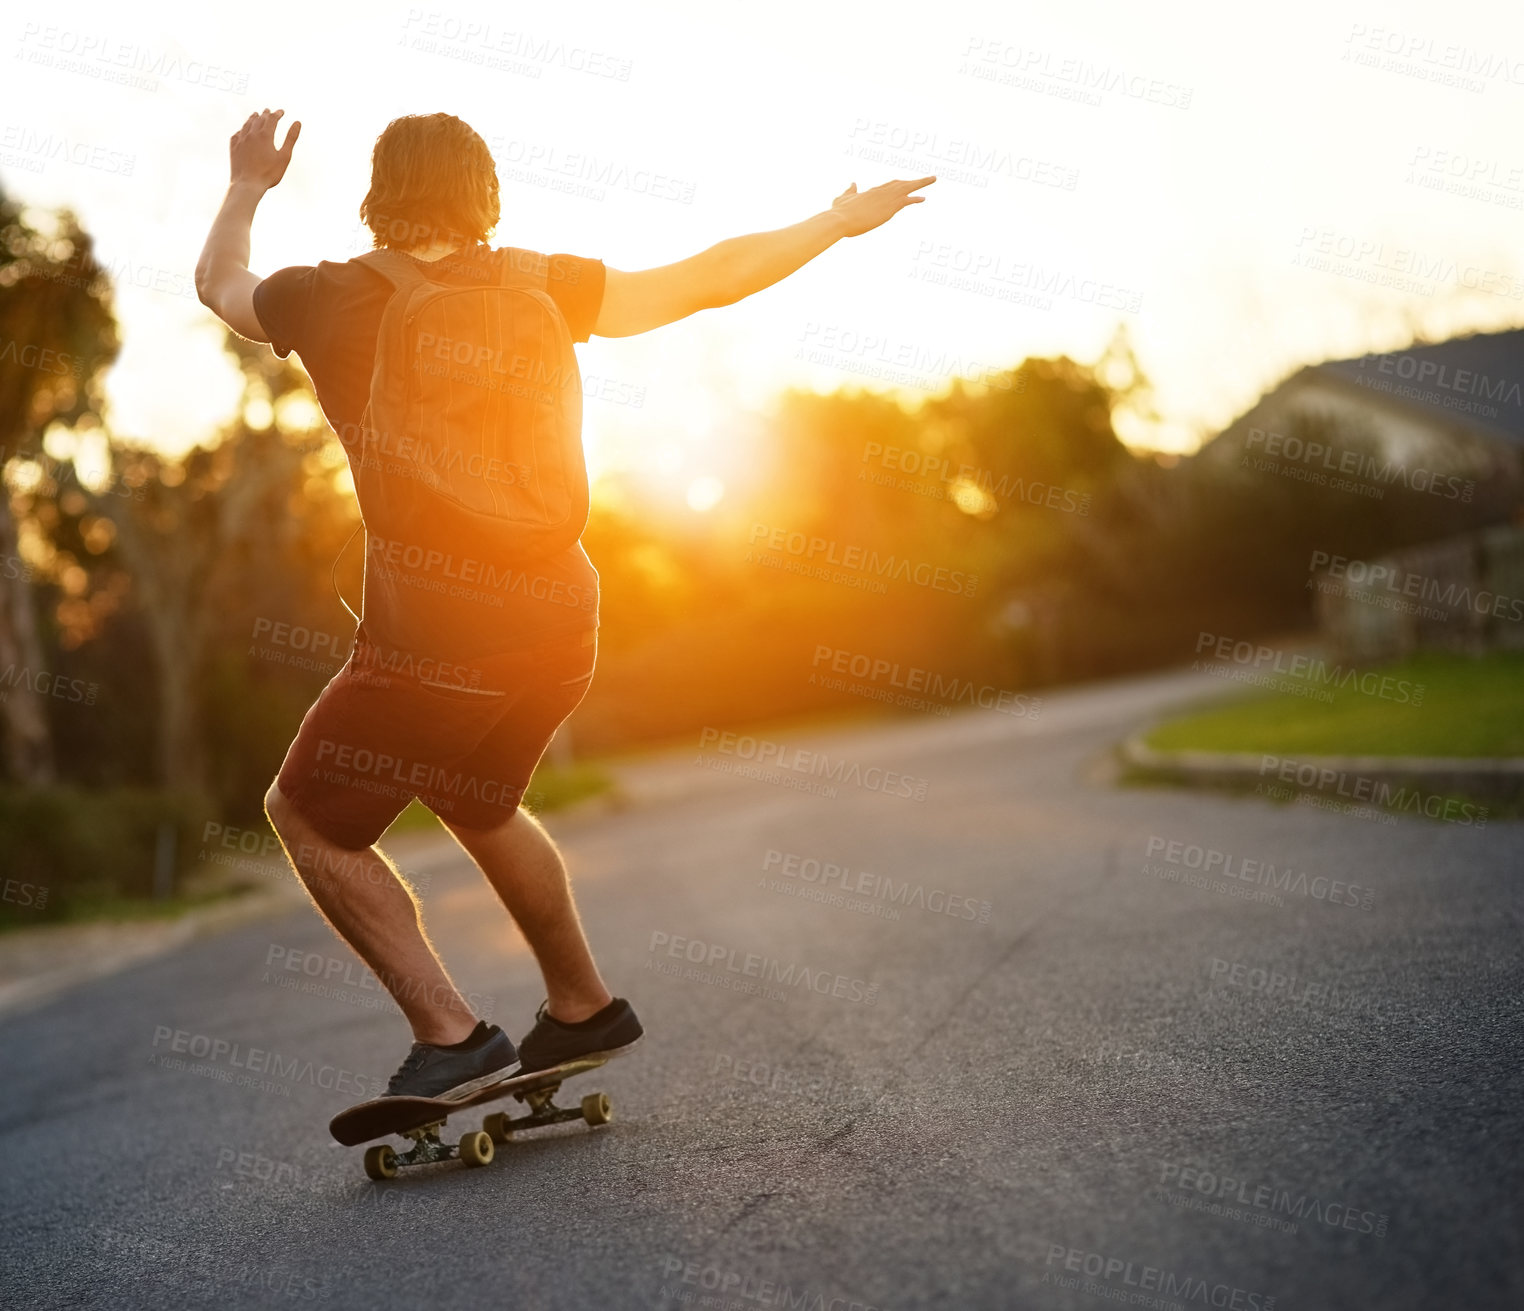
(303, 842)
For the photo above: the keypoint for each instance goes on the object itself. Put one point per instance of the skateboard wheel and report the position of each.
(596, 1108)
(496, 1127)
(476, 1148)
(381, 1162)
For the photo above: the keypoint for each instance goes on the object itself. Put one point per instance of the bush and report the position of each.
(65, 847)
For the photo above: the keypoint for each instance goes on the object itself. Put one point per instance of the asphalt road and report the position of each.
(1037, 1067)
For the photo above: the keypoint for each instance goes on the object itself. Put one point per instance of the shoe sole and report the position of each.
(606, 1055)
(473, 1086)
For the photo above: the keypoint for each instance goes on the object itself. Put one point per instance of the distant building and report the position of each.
(1416, 418)
(1445, 419)
(1476, 382)
(1463, 593)
(1425, 446)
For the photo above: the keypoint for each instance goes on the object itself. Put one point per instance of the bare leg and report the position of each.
(369, 906)
(525, 867)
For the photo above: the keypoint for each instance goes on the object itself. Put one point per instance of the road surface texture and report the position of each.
(1049, 1043)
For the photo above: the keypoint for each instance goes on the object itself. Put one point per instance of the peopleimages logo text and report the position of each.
(826, 551)
(1365, 578)
(1431, 373)
(1316, 460)
(809, 870)
(1321, 777)
(1263, 873)
(419, 777)
(751, 965)
(1155, 1279)
(469, 578)
(257, 1061)
(1224, 1187)
(1263, 659)
(941, 470)
(912, 678)
(800, 760)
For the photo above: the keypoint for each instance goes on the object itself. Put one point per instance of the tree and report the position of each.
(245, 516)
(57, 336)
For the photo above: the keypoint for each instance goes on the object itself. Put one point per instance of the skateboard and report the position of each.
(421, 1119)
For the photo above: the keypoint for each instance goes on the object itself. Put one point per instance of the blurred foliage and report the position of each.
(55, 305)
(57, 336)
(69, 850)
(1090, 561)
(183, 558)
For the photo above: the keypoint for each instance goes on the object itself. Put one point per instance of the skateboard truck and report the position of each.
(595, 1110)
(383, 1161)
(478, 1146)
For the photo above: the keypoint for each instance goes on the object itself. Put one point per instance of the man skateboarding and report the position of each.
(469, 652)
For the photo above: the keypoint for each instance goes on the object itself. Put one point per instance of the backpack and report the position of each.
(473, 428)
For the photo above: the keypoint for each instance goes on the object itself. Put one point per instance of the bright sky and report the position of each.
(1169, 166)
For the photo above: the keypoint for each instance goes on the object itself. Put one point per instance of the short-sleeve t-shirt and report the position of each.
(330, 315)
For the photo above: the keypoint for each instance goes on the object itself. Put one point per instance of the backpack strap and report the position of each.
(516, 268)
(400, 270)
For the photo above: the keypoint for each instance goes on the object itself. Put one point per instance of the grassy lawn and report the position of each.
(1470, 707)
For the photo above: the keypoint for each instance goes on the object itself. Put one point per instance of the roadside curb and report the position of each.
(1499, 779)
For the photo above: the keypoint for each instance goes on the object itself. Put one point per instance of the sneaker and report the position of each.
(609, 1032)
(454, 1073)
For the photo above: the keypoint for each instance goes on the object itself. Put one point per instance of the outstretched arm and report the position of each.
(223, 281)
(733, 269)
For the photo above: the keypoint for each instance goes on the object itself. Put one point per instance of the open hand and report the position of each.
(866, 210)
(252, 152)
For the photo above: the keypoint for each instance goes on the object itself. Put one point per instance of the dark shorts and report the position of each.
(463, 739)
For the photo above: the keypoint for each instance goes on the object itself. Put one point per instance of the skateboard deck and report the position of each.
(421, 1118)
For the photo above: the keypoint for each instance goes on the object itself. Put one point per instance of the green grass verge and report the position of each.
(1471, 706)
(76, 900)
(107, 906)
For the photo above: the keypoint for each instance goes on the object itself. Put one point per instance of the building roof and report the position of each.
(1476, 380)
